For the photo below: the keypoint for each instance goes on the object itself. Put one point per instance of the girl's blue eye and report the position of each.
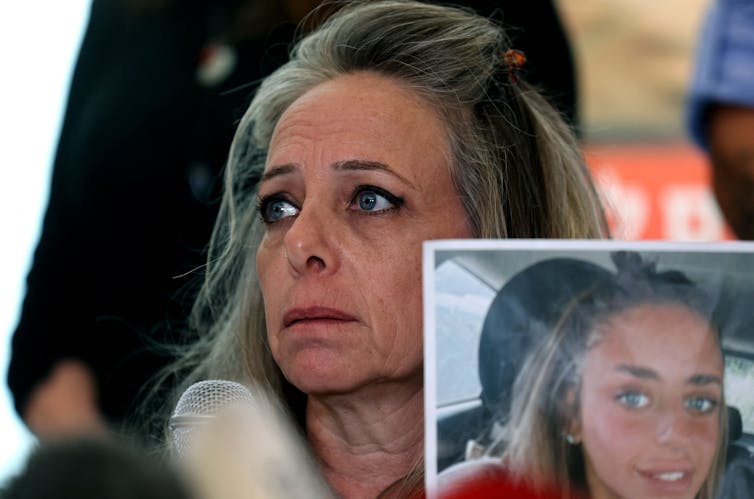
(633, 399)
(276, 209)
(701, 405)
(375, 200)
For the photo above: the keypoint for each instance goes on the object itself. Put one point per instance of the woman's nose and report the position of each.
(309, 242)
(673, 426)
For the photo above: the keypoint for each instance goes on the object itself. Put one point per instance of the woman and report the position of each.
(393, 123)
(625, 399)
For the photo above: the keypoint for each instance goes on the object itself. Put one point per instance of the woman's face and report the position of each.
(650, 404)
(357, 176)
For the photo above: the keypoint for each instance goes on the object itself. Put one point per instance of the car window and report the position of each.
(739, 378)
(461, 304)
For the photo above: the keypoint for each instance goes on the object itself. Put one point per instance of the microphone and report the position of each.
(237, 445)
(202, 402)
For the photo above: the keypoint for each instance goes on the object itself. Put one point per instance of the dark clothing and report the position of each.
(135, 185)
(133, 198)
(535, 27)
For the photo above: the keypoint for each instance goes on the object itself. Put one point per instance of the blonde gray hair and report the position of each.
(516, 164)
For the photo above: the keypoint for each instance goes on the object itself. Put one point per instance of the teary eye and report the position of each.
(374, 200)
(275, 208)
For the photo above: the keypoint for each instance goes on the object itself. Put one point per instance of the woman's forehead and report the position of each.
(360, 115)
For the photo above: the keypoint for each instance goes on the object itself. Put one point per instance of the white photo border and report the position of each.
(432, 251)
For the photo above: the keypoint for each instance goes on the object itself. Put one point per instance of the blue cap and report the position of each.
(724, 71)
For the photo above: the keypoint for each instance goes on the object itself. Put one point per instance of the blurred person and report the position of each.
(394, 122)
(150, 115)
(154, 100)
(625, 398)
(86, 468)
(720, 112)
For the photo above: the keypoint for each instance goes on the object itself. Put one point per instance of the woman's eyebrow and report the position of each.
(704, 379)
(278, 170)
(638, 371)
(345, 165)
(364, 164)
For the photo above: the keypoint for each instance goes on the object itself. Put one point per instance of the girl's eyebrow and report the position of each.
(646, 373)
(638, 371)
(704, 379)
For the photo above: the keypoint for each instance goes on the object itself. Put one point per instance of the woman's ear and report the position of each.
(573, 435)
(572, 428)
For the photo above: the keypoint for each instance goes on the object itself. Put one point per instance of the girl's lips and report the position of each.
(314, 313)
(668, 478)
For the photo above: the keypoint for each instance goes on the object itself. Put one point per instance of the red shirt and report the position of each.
(485, 478)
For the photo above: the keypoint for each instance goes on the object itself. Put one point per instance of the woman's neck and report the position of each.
(366, 441)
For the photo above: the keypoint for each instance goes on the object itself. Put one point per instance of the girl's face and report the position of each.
(650, 404)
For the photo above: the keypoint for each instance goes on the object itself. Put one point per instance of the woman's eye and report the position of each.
(275, 209)
(701, 405)
(375, 200)
(632, 399)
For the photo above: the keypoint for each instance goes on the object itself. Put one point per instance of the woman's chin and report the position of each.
(319, 373)
(323, 371)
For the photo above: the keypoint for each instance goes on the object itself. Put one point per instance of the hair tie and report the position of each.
(514, 61)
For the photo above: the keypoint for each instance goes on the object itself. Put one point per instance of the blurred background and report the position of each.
(634, 59)
(39, 42)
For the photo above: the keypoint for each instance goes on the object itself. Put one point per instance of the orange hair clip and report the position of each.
(514, 61)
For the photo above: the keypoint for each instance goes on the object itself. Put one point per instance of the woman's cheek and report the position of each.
(705, 431)
(617, 427)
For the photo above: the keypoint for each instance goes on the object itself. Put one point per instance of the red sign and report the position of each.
(657, 192)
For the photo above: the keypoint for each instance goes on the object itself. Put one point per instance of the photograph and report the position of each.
(589, 368)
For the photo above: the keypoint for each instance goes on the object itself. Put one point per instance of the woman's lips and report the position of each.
(316, 313)
(668, 478)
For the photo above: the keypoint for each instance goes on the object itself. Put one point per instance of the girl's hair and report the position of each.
(515, 163)
(546, 392)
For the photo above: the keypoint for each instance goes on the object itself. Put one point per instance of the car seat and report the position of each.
(738, 479)
(522, 313)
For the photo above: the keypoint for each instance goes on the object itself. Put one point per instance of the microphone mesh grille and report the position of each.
(208, 397)
(203, 400)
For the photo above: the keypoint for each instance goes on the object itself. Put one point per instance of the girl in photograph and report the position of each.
(624, 399)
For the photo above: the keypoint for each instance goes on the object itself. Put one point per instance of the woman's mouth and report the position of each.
(668, 479)
(672, 476)
(316, 313)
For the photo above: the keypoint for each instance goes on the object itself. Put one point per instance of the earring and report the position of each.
(571, 439)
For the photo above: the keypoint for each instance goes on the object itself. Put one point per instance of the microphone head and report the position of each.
(235, 445)
(200, 403)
